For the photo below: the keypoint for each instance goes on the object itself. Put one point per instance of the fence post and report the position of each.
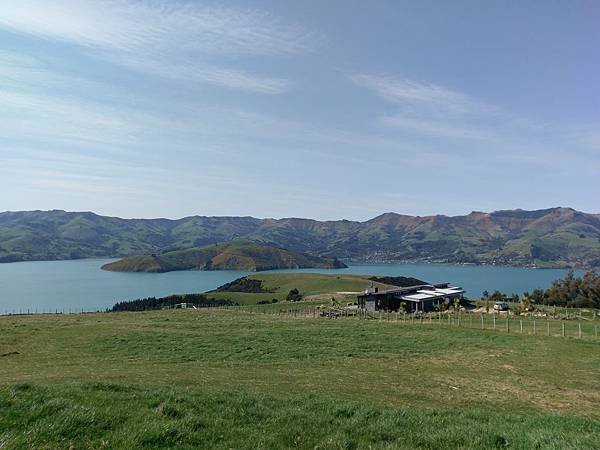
(534, 327)
(579, 324)
(547, 327)
(482, 326)
(521, 325)
(494, 317)
(563, 329)
(507, 324)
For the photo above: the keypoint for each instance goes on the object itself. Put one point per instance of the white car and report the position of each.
(501, 306)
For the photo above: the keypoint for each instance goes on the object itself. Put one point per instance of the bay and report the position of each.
(80, 285)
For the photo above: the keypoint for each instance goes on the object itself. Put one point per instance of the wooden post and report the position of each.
(482, 325)
(563, 329)
(494, 317)
(521, 325)
(534, 327)
(579, 325)
(596, 331)
(507, 324)
(547, 327)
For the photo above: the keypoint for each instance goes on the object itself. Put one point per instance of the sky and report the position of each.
(326, 110)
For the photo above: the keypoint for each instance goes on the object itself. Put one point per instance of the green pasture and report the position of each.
(236, 378)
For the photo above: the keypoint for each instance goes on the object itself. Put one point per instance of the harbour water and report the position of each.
(80, 285)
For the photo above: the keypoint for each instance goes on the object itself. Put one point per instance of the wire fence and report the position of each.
(499, 322)
(579, 327)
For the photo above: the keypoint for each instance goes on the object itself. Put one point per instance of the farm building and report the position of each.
(422, 298)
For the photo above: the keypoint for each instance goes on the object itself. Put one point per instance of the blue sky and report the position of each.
(328, 110)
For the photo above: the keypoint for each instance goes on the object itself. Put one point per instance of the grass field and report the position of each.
(216, 378)
(309, 284)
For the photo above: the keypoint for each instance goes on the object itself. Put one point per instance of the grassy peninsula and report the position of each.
(234, 255)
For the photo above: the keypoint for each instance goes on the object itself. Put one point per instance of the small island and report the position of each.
(244, 254)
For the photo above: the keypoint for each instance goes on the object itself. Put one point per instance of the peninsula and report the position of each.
(233, 255)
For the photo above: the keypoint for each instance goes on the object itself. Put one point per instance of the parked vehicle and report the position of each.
(501, 306)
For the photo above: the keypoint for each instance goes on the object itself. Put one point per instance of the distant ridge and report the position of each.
(553, 237)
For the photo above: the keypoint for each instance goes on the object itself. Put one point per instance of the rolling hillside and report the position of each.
(556, 237)
(233, 255)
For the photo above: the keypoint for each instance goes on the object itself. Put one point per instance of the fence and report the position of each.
(524, 325)
(499, 322)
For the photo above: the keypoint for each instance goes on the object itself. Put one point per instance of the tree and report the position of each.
(575, 291)
(294, 295)
(497, 296)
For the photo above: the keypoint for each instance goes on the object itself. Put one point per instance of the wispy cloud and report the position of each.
(133, 25)
(179, 40)
(453, 118)
(205, 73)
(411, 93)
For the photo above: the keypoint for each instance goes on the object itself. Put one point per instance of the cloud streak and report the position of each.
(411, 93)
(133, 26)
(176, 40)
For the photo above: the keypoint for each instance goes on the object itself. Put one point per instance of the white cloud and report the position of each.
(194, 72)
(157, 24)
(173, 39)
(415, 94)
(447, 116)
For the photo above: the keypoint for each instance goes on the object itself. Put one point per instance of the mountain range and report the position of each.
(555, 237)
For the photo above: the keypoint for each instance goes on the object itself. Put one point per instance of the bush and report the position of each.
(294, 295)
(145, 304)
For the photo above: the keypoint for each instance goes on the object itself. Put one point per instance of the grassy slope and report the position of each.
(309, 285)
(225, 379)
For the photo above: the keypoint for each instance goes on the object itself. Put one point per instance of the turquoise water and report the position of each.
(73, 286)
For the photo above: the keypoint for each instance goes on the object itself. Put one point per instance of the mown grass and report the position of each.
(229, 379)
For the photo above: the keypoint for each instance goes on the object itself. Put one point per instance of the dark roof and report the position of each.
(399, 290)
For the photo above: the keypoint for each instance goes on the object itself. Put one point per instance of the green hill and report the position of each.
(233, 255)
(555, 237)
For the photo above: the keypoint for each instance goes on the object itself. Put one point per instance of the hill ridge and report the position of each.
(550, 237)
